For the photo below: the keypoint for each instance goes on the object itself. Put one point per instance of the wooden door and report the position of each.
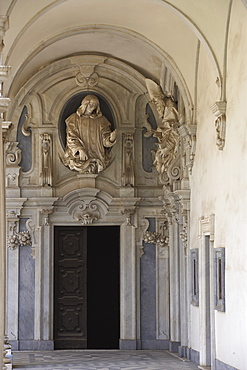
(70, 305)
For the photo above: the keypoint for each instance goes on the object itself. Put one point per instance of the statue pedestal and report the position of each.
(87, 180)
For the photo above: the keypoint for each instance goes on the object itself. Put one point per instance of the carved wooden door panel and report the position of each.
(70, 306)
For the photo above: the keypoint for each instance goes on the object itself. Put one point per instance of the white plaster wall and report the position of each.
(218, 186)
(232, 326)
(194, 322)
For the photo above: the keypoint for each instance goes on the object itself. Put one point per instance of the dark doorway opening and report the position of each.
(87, 287)
(103, 329)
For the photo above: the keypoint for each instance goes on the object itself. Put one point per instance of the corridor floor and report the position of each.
(100, 360)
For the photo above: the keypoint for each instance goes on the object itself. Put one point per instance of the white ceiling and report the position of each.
(143, 33)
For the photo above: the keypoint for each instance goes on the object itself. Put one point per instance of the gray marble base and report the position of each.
(173, 346)
(193, 355)
(154, 344)
(222, 366)
(33, 345)
(182, 351)
(128, 344)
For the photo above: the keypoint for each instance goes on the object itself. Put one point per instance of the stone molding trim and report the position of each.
(206, 225)
(219, 279)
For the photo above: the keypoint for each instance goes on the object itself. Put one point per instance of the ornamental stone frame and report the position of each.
(123, 194)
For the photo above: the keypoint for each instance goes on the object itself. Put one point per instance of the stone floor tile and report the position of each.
(100, 360)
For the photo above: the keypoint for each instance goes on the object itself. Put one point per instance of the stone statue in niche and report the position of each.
(89, 138)
(166, 133)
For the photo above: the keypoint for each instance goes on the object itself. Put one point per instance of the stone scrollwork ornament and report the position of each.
(167, 131)
(13, 154)
(86, 213)
(89, 138)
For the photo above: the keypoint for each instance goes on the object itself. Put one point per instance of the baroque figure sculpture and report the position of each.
(89, 138)
(166, 133)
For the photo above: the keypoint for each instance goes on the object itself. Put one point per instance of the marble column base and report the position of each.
(147, 344)
(32, 345)
(174, 346)
(128, 344)
(154, 344)
(193, 355)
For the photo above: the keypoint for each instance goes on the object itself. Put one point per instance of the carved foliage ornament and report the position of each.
(22, 238)
(155, 238)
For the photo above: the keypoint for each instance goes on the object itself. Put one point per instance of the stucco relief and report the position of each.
(219, 111)
(46, 174)
(89, 138)
(128, 160)
(167, 131)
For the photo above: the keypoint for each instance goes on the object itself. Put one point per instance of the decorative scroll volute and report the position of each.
(13, 154)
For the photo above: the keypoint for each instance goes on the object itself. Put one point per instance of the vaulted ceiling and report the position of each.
(146, 34)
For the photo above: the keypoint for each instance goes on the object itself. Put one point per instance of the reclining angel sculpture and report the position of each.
(166, 133)
(89, 138)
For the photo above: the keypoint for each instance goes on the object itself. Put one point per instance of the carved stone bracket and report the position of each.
(46, 213)
(171, 206)
(6, 125)
(188, 134)
(31, 227)
(160, 237)
(128, 212)
(219, 111)
(184, 201)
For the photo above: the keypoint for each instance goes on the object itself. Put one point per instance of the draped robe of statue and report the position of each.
(88, 142)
